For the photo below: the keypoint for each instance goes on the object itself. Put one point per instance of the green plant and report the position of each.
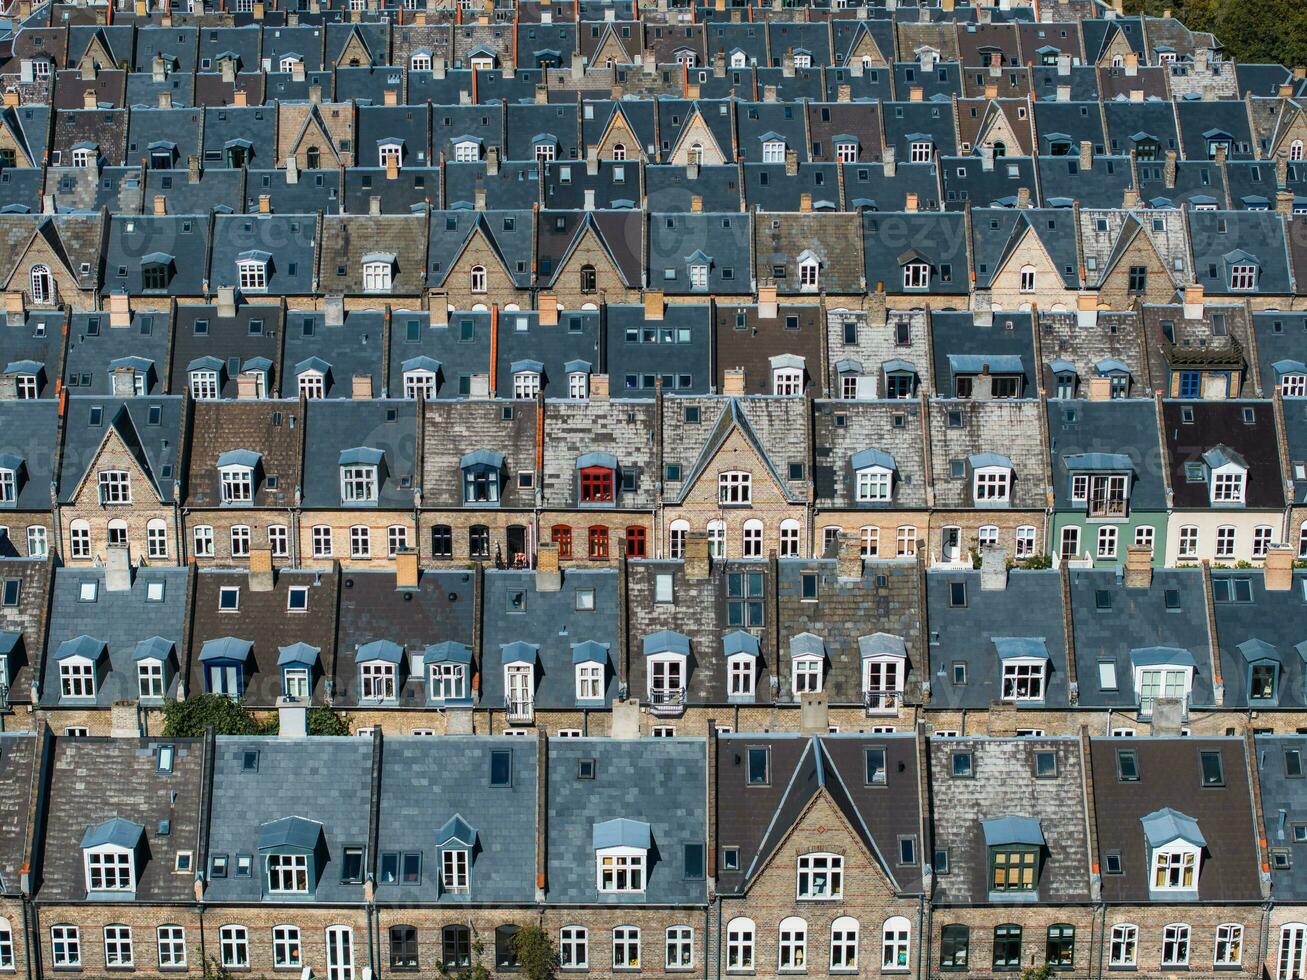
(190, 718)
(535, 952)
(475, 971)
(1244, 563)
(324, 721)
(1037, 561)
(213, 970)
(1037, 972)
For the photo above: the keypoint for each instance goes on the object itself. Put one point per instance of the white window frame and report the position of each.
(377, 276)
(735, 488)
(65, 946)
(1175, 945)
(311, 384)
(234, 946)
(741, 945)
(252, 275)
(77, 678)
(1025, 679)
(237, 484)
(1243, 277)
(171, 944)
(150, 679)
(287, 874)
(115, 488)
(819, 876)
(620, 870)
(741, 675)
(110, 868)
(806, 674)
(118, 947)
(773, 151)
(419, 382)
(792, 945)
(204, 385)
(377, 681)
(1227, 950)
(992, 484)
(787, 381)
(358, 483)
(1123, 946)
(844, 934)
(916, 275)
(895, 943)
(875, 484)
(679, 948)
(1175, 867)
(590, 681)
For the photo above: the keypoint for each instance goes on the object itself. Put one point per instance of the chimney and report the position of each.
(1193, 302)
(374, 205)
(492, 161)
(848, 561)
(1023, 197)
(1286, 90)
(696, 203)
(261, 574)
(392, 168)
(315, 93)
(390, 97)
(654, 304)
(547, 305)
(118, 569)
(993, 569)
(548, 576)
(361, 387)
(241, 98)
(599, 387)
(193, 169)
(1282, 170)
(987, 158)
(8, 387)
(406, 569)
(912, 202)
(292, 170)
(889, 165)
(805, 202)
(844, 93)
(1284, 202)
(88, 99)
(1086, 310)
(333, 310)
(297, 72)
(1064, 93)
(1100, 389)
(265, 204)
(1136, 95)
(791, 163)
(1222, 152)
(120, 311)
(123, 720)
(1130, 199)
(226, 301)
(479, 386)
(15, 309)
(1131, 64)
(1086, 155)
(767, 306)
(696, 555)
(733, 381)
(991, 90)
(11, 100)
(814, 710)
(87, 72)
(1138, 566)
(1064, 65)
(769, 93)
(247, 386)
(160, 204)
(588, 199)
(158, 70)
(292, 718)
(542, 95)
(916, 94)
(1279, 568)
(165, 100)
(1169, 170)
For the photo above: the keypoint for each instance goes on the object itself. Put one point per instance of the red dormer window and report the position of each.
(596, 485)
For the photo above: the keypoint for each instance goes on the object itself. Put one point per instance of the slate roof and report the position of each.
(624, 429)
(1170, 775)
(1223, 423)
(335, 425)
(119, 620)
(23, 625)
(1125, 427)
(1273, 618)
(97, 779)
(1283, 799)
(480, 425)
(29, 432)
(18, 787)
(1009, 426)
(154, 444)
(325, 779)
(638, 351)
(270, 429)
(253, 332)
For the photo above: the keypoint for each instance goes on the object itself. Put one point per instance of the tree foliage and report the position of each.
(324, 721)
(1252, 31)
(189, 718)
(535, 951)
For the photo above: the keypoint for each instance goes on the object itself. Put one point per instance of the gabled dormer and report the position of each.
(238, 473)
(361, 475)
(520, 662)
(1100, 483)
(299, 664)
(873, 476)
(312, 378)
(482, 477)
(1174, 847)
(884, 659)
(1025, 667)
(590, 665)
(1015, 850)
(1242, 270)
(1291, 377)
(449, 669)
(380, 664)
(992, 476)
(621, 849)
(421, 376)
(743, 655)
(378, 271)
(226, 665)
(456, 842)
(1264, 669)
(598, 479)
(666, 663)
(83, 662)
(1227, 477)
(807, 664)
(155, 660)
(292, 853)
(253, 268)
(113, 854)
(528, 376)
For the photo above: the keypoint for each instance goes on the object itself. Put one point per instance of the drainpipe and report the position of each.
(1103, 937)
(29, 931)
(922, 933)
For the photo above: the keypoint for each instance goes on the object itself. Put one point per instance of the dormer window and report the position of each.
(699, 276)
(773, 151)
(420, 61)
(156, 270)
(578, 385)
(481, 476)
(379, 663)
(807, 660)
(991, 480)
(1243, 277)
(204, 384)
(809, 272)
(1025, 667)
(378, 269)
(467, 151)
(1228, 480)
(420, 382)
(545, 150)
(84, 156)
(916, 275)
(787, 375)
(456, 841)
(237, 484)
(803, 61)
(739, 59)
(621, 851)
(874, 474)
(526, 384)
(360, 475)
(1292, 378)
(1175, 851)
(1015, 846)
(597, 478)
(9, 470)
(884, 668)
(920, 151)
(388, 152)
(289, 848)
(252, 272)
(312, 383)
(742, 651)
(288, 62)
(109, 854)
(667, 656)
(1162, 672)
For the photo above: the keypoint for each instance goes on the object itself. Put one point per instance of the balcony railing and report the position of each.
(667, 700)
(1108, 506)
(1146, 705)
(878, 702)
(521, 711)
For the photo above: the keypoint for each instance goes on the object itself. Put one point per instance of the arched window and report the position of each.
(619, 151)
(588, 279)
(792, 945)
(680, 528)
(789, 538)
(478, 278)
(895, 941)
(313, 158)
(1295, 150)
(740, 939)
(117, 533)
(1292, 958)
(751, 541)
(42, 285)
(844, 944)
(1028, 279)
(1000, 149)
(79, 539)
(717, 539)
(696, 153)
(156, 539)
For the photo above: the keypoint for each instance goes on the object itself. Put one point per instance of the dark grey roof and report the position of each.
(719, 241)
(17, 788)
(324, 779)
(939, 239)
(185, 238)
(638, 353)
(1284, 800)
(1121, 426)
(335, 425)
(152, 443)
(1218, 238)
(352, 348)
(94, 350)
(289, 238)
(29, 432)
(1276, 620)
(659, 782)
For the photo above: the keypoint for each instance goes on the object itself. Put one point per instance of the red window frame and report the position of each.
(596, 485)
(598, 543)
(561, 535)
(636, 538)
